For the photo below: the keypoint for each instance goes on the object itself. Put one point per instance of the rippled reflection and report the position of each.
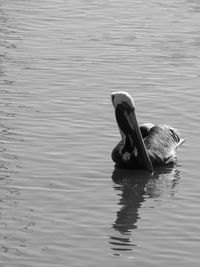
(133, 189)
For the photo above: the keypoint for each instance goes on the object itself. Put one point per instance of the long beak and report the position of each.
(132, 119)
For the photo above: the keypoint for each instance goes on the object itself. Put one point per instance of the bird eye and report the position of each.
(126, 107)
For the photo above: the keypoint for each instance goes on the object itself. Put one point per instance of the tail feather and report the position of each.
(176, 137)
(182, 140)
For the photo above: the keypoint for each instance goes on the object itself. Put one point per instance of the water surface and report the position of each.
(62, 201)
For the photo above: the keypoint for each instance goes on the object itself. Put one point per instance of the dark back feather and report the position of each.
(161, 144)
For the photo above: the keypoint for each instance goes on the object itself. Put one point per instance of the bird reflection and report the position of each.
(134, 187)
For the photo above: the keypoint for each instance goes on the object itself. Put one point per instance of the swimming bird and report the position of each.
(143, 146)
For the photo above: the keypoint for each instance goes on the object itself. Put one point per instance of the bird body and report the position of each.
(142, 146)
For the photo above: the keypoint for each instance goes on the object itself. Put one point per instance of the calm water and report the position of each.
(62, 203)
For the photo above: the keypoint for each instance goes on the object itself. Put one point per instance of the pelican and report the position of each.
(143, 146)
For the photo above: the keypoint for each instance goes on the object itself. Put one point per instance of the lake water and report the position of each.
(62, 203)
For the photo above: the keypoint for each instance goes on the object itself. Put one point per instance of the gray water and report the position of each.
(62, 203)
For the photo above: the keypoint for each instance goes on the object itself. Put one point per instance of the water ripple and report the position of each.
(61, 201)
